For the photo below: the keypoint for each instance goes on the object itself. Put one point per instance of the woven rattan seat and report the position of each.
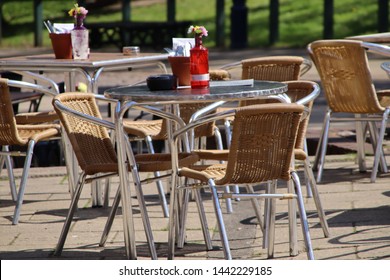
(96, 156)
(348, 87)
(14, 134)
(153, 130)
(36, 117)
(262, 148)
(302, 92)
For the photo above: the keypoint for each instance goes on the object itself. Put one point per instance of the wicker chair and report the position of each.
(95, 153)
(347, 84)
(305, 92)
(261, 150)
(29, 94)
(155, 130)
(300, 92)
(270, 68)
(28, 135)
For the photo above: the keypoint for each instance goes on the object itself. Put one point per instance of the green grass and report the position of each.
(300, 21)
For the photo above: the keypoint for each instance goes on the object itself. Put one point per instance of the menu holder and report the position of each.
(232, 83)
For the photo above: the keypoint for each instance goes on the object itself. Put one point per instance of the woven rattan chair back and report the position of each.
(345, 76)
(262, 143)
(297, 90)
(272, 68)
(186, 111)
(8, 130)
(91, 142)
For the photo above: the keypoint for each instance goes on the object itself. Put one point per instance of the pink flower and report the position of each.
(198, 30)
(78, 11)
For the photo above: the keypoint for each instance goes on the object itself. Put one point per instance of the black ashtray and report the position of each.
(161, 82)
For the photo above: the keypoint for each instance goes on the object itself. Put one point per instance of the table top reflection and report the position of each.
(142, 94)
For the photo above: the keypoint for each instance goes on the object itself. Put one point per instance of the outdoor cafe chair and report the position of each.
(261, 150)
(304, 93)
(269, 68)
(348, 87)
(97, 158)
(23, 135)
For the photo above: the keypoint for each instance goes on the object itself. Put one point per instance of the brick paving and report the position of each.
(358, 211)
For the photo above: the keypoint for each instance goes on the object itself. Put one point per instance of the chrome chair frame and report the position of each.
(360, 118)
(216, 196)
(6, 154)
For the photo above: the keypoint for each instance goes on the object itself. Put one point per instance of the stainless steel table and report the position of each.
(129, 96)
(90, 68)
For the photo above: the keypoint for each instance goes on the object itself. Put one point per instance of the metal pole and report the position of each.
(171, 10)
(273, 21)
(220, 24)
(383, 15)
(126, 10)
(328, 19)
(38, 19)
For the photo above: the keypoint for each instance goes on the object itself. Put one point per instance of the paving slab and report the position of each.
(358, 211)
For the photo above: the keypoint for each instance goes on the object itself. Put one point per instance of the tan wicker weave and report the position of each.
(92, 144)
(272, 68)
(348, 87)
(345, 76)
(36, 117)
(12, 133)
(96, 154)
(261, 150)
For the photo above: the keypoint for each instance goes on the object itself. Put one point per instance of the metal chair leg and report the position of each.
(160, 187)
(270, 227)
(110, 219)
(320, 155)
(379, 146)
(316, 197)
(22, 187)
(7, 160)
(141, 202)
(256, 208)
(292, 222)
(221, 224)
(303, 217)
(374, 139)
(69, 217)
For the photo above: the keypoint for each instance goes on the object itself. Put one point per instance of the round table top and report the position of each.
(230, 92)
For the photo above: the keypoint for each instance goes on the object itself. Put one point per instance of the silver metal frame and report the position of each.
(6, 155)
(360, 120)
(123, 194)
(269, 226)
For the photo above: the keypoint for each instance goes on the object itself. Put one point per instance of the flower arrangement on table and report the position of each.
(77, 11)
(79, 14)
(197, 30)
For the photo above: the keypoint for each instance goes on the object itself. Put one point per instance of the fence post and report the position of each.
(239, 25)
(126, 10)
(171, 10)
(38, 19)
(273, 21)
(383, 15)
(328, 19)
(220, 24)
